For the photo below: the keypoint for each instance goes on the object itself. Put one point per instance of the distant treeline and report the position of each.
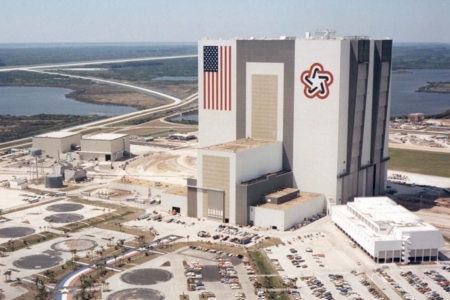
(17, 127)
(421, 56)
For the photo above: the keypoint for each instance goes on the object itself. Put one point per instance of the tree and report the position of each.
(115, 260)
(7, 276)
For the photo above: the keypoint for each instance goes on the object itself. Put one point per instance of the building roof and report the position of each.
(380, 217)
(105, 136)
(239, 145)
(57, 134)
(304, 197)
(383, 210)
(281, 193)
(177, 190)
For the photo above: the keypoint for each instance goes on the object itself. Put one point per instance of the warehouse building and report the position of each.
(287, 208)
(174, 200)
(105, 146)
(56, 142)
(386, 231)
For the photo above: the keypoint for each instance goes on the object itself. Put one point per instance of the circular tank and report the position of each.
(35, 152)
(53, 181)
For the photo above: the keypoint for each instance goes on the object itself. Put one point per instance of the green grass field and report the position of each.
(423, 162)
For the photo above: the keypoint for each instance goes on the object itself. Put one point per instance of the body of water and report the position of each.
(186, 117)
(405, 100)
(28, 101)
(36, 100)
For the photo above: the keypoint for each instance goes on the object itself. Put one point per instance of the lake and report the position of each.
(36, 100)
(28, 101)
(405, 100)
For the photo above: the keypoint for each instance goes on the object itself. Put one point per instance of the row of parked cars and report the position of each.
(343, 286)
(405, 295)
(318, 289)
(421, 286)
(439, 279)
(369, 287)
(222, 253)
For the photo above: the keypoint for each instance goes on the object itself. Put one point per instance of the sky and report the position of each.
(99, 21)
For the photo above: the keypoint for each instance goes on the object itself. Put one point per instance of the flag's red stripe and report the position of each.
(229, 78)
(225, 79)
(217, 88)
(204, 89)
(221, 79)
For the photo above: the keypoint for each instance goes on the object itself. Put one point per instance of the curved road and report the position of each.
(113, 120)
(90, 63)
(130, 86)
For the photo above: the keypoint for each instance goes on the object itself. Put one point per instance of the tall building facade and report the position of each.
(326, 101)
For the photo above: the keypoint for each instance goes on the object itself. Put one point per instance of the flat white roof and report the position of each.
(57, 134)
(385, 213)
(105, 136)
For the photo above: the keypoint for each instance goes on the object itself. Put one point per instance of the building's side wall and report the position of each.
(121, 144)
(251, 194)
(320, 125)
(192, 197)
(67, 142)
(299, 213)
(268, 218)
(267, 54)
(265, 97)
(380, 114)
(96, 145)
(217, 125)
(168, 201)
(363, 239)
(259, 161)
(49, 146)
(215, 174)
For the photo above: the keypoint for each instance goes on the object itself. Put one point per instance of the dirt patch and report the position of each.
(112, 95)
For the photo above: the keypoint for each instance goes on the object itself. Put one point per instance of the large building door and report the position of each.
(216, 204)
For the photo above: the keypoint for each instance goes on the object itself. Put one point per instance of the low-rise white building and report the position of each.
(175, 200)
(387, 231)
(18, 183)
(283, 214)
(57, 141)
(105, 146)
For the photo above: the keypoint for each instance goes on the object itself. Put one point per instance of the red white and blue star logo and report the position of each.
(317, 81)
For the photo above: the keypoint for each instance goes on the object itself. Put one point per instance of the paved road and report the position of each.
(90, 63)
(126, 85)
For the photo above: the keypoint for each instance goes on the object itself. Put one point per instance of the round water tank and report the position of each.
(53, 181)
(35, 152)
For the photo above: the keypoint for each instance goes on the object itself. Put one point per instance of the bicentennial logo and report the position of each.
(317, 81)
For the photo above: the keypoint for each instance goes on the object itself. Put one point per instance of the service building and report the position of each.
(56, 142)
(105, 146)
(386, 231)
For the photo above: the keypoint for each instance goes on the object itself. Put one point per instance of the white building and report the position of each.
(18, 183)
(323, 102)
(283, 214)
(105, 146)
(57, 141)
(386, 231)
(175, 200)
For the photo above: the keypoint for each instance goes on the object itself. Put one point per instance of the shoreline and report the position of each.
(75, 95)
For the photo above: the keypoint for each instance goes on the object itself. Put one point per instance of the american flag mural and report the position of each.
(217, 77)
